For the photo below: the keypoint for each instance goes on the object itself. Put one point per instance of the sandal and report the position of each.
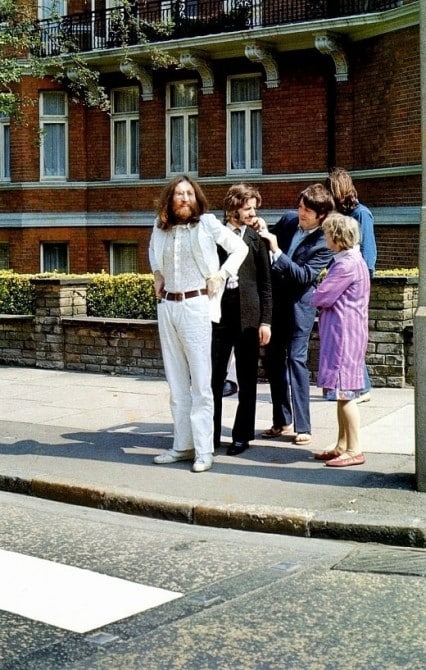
(278, 432)
(302, 438)
(326, 455)
(343, 461)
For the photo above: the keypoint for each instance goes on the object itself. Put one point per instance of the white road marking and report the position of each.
(71, 598)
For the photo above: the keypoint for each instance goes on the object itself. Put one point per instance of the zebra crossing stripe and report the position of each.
(71, 598)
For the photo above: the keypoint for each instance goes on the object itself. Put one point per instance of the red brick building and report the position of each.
(274, 92)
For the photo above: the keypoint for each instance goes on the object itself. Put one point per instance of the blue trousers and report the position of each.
(286, 366)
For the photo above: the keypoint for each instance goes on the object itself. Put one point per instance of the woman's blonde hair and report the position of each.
(343, 230)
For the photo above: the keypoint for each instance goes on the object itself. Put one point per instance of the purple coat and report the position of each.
(342, 298)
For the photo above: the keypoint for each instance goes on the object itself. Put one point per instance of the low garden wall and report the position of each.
(61, 336)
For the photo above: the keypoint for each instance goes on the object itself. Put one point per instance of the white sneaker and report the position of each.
(202, 463)
(172, 456)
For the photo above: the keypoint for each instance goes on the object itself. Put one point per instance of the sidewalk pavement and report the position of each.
(89, 439)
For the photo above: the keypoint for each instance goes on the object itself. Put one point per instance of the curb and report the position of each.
(405, 532)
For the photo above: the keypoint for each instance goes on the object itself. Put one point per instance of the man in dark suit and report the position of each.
(299, 253)
(246, 317)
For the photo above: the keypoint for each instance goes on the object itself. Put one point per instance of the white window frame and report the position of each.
(53, 119)
(246, 107)
(120, 244)
(185, 113)
(43, 246)
(128, 118)
(4, 148)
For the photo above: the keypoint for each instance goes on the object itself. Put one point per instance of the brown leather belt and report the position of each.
(178, 297)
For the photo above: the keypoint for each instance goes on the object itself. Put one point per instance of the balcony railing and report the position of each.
(158, 20)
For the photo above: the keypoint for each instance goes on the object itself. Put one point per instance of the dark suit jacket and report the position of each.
(254, 282)
(294, 279)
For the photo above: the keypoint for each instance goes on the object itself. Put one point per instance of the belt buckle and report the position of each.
(179, 297)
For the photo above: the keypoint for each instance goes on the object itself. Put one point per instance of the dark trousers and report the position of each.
(286, 367)
(228, 334)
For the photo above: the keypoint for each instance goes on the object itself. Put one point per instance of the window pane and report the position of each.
(124, 258)
(120, 147)
(238, 157)
(126, 101)
(4, 256)
(54, 149)
(256, 139)
(47, 8)
(193, 143)
(5, 152)
(55, 257)
(245, 89)
(183, 95)
(134, 147)
(176, 144)
(54, 103)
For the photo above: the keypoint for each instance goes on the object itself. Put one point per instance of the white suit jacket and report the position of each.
(204, 236)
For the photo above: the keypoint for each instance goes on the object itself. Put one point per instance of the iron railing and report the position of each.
(158, 20)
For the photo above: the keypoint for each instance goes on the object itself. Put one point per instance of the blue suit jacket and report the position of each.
(293, 280)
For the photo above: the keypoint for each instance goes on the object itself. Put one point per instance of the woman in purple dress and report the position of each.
(342, 298)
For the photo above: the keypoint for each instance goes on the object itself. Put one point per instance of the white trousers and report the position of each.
(185, 334)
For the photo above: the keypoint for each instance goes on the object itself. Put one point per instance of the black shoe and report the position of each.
(229, 388)
(237, 448)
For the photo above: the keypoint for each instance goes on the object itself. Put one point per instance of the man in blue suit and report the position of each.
(299, 253)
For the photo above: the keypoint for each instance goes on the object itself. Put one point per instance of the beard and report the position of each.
(184, 213)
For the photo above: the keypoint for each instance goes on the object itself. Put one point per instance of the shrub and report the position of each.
(125, 296)
(398, 272)
(16, 293)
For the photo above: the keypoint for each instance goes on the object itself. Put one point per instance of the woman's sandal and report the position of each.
(302, 438)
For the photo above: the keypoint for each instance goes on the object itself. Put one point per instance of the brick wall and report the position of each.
(397, 247)
(378, 110)
(372, 121)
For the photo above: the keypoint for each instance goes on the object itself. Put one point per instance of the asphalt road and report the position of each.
(237, 600)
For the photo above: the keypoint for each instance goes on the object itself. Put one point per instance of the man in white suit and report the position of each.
(190, 282)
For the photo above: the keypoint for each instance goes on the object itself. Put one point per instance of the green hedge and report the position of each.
(125, 296)
(16, 293)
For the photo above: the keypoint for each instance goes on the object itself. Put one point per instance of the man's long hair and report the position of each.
(235, 199)
(166, 218)
(339, 183)
(317, 198)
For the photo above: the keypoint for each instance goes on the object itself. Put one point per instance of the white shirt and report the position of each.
(232, 282)
(181, 272)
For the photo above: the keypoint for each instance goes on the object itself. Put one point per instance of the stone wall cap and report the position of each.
(17, 317)
(396, 279)
(61, 281)
(113, 321)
